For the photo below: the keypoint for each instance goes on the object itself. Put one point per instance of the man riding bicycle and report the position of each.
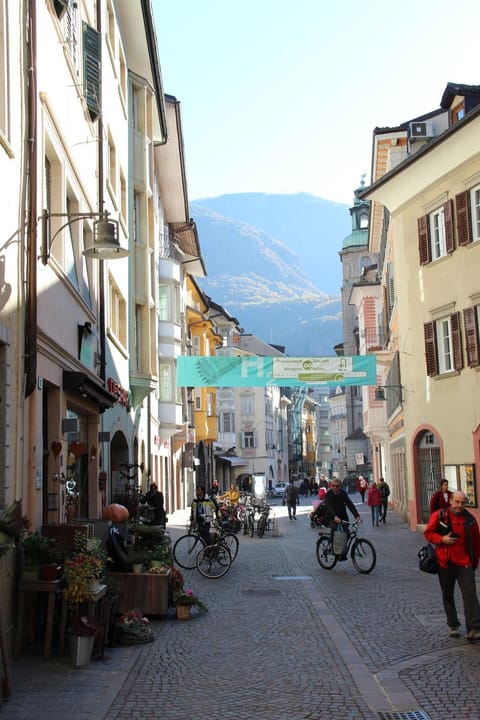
(336, 504)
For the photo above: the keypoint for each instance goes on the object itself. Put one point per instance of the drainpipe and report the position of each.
(31, 247)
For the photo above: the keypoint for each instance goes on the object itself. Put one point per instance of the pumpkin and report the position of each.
(115, 513)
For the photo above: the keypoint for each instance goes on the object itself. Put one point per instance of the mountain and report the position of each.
(272, 262)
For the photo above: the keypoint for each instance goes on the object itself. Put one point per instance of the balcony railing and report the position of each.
(374, 338)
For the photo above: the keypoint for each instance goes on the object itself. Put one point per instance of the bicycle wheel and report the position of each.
(213, 561)
(231, 542)
(262, 524)
(363, 556)
(251, 525)
(186, 549)
(325, 554)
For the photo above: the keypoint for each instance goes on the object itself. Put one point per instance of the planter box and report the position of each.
(147, 592)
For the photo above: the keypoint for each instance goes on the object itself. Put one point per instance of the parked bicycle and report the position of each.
(362, 552)
(214, 561)
(187, 547)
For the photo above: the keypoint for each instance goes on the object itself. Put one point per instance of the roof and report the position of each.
(454, 89)
(357, 238)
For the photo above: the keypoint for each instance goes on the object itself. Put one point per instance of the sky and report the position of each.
(283, 96)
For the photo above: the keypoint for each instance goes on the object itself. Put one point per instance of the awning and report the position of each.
(83, 384)
(234, 461)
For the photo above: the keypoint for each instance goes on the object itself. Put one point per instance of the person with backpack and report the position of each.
(455, 534)
(291, 497)
(384, 492)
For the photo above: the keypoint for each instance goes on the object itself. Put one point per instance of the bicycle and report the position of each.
(214, 561)
(187, 547)
(362, 552)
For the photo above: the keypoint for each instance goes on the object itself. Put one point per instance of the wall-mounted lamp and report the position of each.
(106, 245)
(380, 392)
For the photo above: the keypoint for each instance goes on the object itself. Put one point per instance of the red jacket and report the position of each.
(374, 496)
(466, 551)
(438, 501)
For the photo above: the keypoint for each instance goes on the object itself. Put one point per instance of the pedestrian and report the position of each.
(203, 512)
(362, 486)
(457, 551)
(440, 499)
(154, 500)
(291, 497)
(374, 501)
(384, 492)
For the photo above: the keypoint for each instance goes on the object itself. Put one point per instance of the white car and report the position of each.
(278, 489)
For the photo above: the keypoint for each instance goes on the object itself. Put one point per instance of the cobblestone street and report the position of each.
(283, 638)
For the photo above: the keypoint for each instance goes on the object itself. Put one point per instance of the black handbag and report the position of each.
(427, 561)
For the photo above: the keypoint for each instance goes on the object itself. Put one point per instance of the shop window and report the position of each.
(462, 477)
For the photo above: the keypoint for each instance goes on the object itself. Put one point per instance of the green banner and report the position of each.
(248, 371)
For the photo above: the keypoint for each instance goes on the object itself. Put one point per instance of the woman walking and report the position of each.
(374, 501)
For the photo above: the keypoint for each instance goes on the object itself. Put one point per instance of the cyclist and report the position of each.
(204, 509)
(336, 503)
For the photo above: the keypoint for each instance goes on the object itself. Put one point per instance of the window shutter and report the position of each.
(472, 344)
(91, 69)
(449, 235)
(423, 240)
(431, 356)
(456, 341)
(464, 220)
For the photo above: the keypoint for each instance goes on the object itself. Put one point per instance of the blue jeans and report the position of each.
(375, 514)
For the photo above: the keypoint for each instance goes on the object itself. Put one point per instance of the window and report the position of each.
(165, 382)
(462, 477)
(435, 234)
(196, 347)
(467, 206)
(198, 400)
(443, 350)
(471, 322)
(91, 70)
(228, 422)
(210, 404)
(248, 439)
(118, 314)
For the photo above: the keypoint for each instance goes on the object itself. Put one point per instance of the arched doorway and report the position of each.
(429, 470)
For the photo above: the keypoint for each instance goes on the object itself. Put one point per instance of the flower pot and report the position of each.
(81, 650)
(30, 572)
(137, 568)
(183, 612)
(94, 585)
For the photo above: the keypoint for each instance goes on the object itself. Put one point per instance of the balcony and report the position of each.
(374, 339)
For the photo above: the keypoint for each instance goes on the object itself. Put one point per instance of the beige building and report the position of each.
(430, 274)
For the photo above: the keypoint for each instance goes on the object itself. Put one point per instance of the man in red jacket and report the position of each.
(456, 537)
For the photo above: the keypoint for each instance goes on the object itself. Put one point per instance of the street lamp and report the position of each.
(105, 246)
(380, 392)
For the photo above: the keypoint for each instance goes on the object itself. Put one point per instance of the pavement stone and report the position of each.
(283, 638)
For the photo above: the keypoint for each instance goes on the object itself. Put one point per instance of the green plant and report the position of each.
(137, 555)
(187, 597)
(36, 549)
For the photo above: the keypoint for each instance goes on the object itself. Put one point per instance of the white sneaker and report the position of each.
(454, 632)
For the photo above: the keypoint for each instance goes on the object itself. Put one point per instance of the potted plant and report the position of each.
(137, 558)
(35, 554)
(133, 627)
(84, 630)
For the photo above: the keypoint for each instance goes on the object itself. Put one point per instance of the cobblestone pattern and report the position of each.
(262, 651)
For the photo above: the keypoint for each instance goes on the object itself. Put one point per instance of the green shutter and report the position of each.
(91, 69)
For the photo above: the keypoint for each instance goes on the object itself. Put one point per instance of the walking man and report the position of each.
(291, 496)
(457, 549)
(384, 492)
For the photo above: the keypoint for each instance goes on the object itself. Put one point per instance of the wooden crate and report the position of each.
(147, 592)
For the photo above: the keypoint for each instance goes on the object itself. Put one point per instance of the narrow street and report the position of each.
(283, 639)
